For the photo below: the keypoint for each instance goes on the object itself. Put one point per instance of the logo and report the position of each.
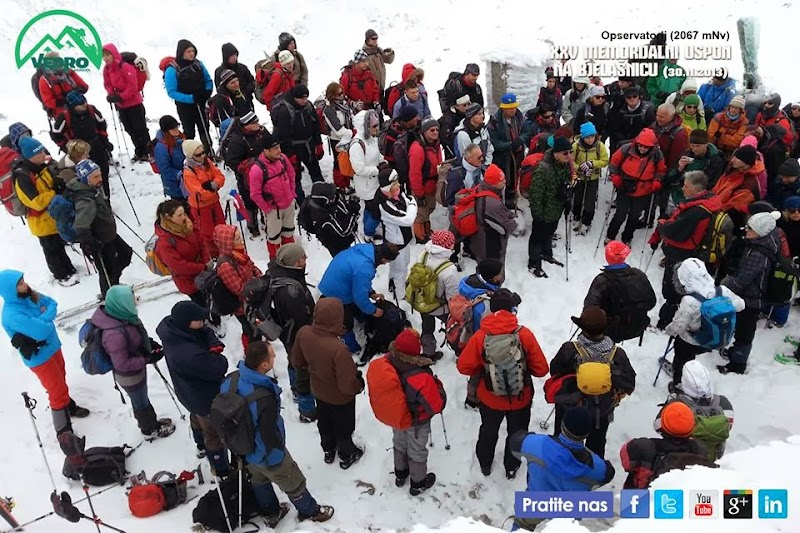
(634, 504)
(773, 503)
(703, 504)
(669, 504)
(70, 35)
(737, 504)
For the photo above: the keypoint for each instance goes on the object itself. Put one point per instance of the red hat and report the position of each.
(407, 342)
(647, 137)
(494, 175)
(616, 253)
(676, 419)
(443, 238)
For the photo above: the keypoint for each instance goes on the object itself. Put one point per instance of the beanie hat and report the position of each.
(85, 168)
(633, 90)
(267, 141)
(793, 202)
(299, 91)
(504, 300)
(428, 123)
(689, 84)
(549, 73)
(746, 154)
(29, 147)
(248, 118)
(587, 130)
(596, 90)
(488, 269)
(737, 101)
(749, 140)
(369, 34)
(226, 76)
(473, 109)
(289, 255)
(760, 206)
(493, 175)
(168, 122)
(561, 144)
(387, 250)
(407, 114)
(285, 58)
(185, 312)
(788, 168)
(407, 342)
(647, 137)
(446, 239)
(386, 177)
(763, 223)
(691, 99)
(463, 100)
(473, 69)
(284, 40)
(577, 424)
(360, 56)
(581, 79)
(75, 98)
(564, 131)
(509, 101)
(616, 252)
(593, 320)
(189, 146)
(675, 419)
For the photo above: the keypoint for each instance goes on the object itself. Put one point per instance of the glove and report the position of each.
(27, 346)
(156, 352)
(617, 181)
(319, 151)
(64, 508)
(113, 98)
(657, 185)
(360, 378)
(383, 165)
(586, 167)
(210, 185)
(109, 146)
(517, 144)
(91, 248)
(655, 240)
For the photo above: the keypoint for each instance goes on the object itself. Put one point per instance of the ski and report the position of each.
(6, 505)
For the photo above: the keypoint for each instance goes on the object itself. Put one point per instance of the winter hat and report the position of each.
(749, 140)
(561, 144)
(689, 84)
(746, 154)
(463, 100)
(408, 113)
(587, 130)
(473, 109)
(29, 147)
(473, 69)
(596, 90)
(647, 137)
(84, 169)
(360, 56)
(285, 58)
(407, 342)
(168, 122)
(189, 147)
(577, 424)
(284, 40)
(387, 250)
(369, 34)
(593, 320)
(120, 303)
(675, 419)
(504, 300)
(789, 168)
(75, 98)
(248, 118)
(691, 99)
(564, 131)
(446, 239)
(226, 76)
(763, 223)
(494, 176)
(737, 101)
(267, 141)
(386, 177)
(617, 252)
(760, 206)
(581, 79)
(187, 311)
(299, 91)
(549, 73)
(793, 202)
(633, 90)
(509, 101)
(488, 269)
(428, 123)
(289, 255)
(696, 381)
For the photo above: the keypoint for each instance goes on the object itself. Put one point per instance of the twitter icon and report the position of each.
(668, 504)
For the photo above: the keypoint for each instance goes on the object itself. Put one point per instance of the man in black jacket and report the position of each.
(628, 120)
(230, 101)
(230, 61)
(448, 122)
(243, 142)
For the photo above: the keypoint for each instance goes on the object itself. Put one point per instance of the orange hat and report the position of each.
(647, 137)
(494, 175)
(676, 419)
(616, 252)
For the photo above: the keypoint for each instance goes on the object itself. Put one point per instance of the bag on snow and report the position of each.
(62, 210)
(465, 216)
(94, 358)
(505, 368)
(209, 511)
(154, 263)
(382, 331)
(459, 327)
(149, 499)
(103, 466)
(717, 321)
(593, 372)
(230, 416)
(421, 286)
(8, 194)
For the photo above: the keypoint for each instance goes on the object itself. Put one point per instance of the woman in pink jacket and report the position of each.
(272, 188)
(762, 178)
(122, 85)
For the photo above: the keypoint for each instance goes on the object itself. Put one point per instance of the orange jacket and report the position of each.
(194, 178)
(782, 120)
(738, 189)
(644, 170)
(471, 360)
(726, 134)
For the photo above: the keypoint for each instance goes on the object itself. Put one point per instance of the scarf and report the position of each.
(733, 118)
(120, 303)
(192, 164)
(596, 348)
(181, 231)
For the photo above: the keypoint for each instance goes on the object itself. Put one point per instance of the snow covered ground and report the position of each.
(439, 37)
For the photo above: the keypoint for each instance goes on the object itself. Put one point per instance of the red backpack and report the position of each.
(7, 193)
(319, 107)
(526, 172)
(465, 216)
(459, 327)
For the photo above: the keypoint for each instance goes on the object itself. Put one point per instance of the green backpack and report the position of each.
(712, 426)
(421, 286)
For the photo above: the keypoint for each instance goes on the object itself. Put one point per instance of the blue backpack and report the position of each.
(94, 358)
(63, 212)
(717, 321)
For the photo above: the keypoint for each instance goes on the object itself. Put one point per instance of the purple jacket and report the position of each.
(124, 348)
(278, 189)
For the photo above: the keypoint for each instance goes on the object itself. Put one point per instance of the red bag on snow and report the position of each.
(146, 500)
(465, 217)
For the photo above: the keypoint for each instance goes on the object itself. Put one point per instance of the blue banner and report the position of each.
(564, 504)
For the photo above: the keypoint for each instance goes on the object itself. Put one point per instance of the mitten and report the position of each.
(617, 181)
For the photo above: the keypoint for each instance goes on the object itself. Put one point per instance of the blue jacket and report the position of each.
(266, 412)
(195, 362)
(34, 319)
(716, 99)
(421, 105)
(170, 164)
(472, 287)
(349, 277)
(552, 465)
(171, 84)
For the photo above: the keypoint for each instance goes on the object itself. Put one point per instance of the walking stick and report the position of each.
(663, 359)
(546, 424)
(117, 132)
(647, 267)
(221, 497)
(103, 266)
(444, 428)
(204, 121)
(124, 188)
(30, 405)
(567, 243)
(170, 390)
(129, 228)
(605, 223)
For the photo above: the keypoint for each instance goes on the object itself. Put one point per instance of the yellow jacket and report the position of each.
(597, 154)
(35, 191)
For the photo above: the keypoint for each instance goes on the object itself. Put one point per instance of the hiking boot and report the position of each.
(436, 356)
(201, 454)
(255, 233)
(584, 230)
(400, 477)
(329, 457)
(392, 287)
(164, 429)
(537, 272)
(511, 473)
(732, 368)
(323, 514)
(552, 261)
(307, 419)
(725, 353)
(418, 487)
(151, 427)
(556, 237)
(347, 462)
(76, 411)
(577, 227)
(272, 520)
(486, 470)
(673, 388)
(72, 279)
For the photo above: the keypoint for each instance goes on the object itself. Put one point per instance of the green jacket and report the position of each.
(712, 164)
(93, 215)
(660, 87)
(547, 195)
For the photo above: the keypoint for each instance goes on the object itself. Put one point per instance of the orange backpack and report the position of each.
(386, 395)
(343, 158)
(465, 216)
(526, 172)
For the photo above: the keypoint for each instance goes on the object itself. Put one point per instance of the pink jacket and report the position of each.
(278, 189)
(121, 78)
(761, 177)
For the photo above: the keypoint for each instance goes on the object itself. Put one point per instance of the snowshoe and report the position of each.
(306, 419)
(272, 520)
(724, 353)
(538, 272)
(165, 429)
(552, 261)
(324, 513)
(400, 477)
(329, 457)
(556, 237)
(577, 227)
(469, 404)
(673, 388)
(793, 340)
(786, 359)
(255, 233)
(584, 230)
(347, 462)
(732, 368)
(666, 366)
(418, 488)
(201, 454)
(73, 279)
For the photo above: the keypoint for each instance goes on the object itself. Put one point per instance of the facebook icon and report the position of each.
(634, 504)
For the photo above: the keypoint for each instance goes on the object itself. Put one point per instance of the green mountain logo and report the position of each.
(78, 45)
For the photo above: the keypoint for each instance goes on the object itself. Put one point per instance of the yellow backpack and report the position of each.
(594, 371)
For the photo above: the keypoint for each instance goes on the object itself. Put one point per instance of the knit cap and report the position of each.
(75, 98)
(473, 109)
(616, 252)
(763, 223)
(226, 76)
(386, 178)
(789, 168)
(509, 101)
(691, 99)
(446, 239)
(429, 123)
(737, 101)
(577, 424)
(494, 176)
(360, 56)
(504, 300)
(675, 419)
(285, 58)
(185, 312)
(190, 146)
(793, 202)
(746, 154)
(407, 342)
(289, 255)
(488, 269)
(84, 169)
(561, 144)
(408, 113)
(587, 130)
(29, 147)
(168, 122)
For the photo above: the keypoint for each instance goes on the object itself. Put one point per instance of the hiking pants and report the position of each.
(210, 438)
(684, 352)
(540, 243)
(289, 478)
(207, 218)
(584, 201)
(411, 450)
(135, 386)
(630, 207)
(339, 179)
(672, 299)
(398, 268)
(114, 257)
(56, 256)
(53, 377)
(194, 120)
(427, 339)
(491, 420)
(336, 424)
(661, 201)
(596, 440)
(746, 324)
(134, 121)
(280, 224)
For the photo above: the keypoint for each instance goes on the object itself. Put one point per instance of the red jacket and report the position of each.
(644, 170)
(360, 86)
(738, 189)
(422, 175)
(54, 89)
(239, 269)
(471, 360)
(280, 82)
(186, 257)
(781, 119)
(121, 78)
(673, 142)
(685, 229)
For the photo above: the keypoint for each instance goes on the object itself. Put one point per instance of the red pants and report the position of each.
(53, 378)
(206, 219)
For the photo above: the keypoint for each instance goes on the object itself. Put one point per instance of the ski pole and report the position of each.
(116, 132)
(241, 475)
(51, 513)
(221, 497)
(546, 424)
(577, 329)
(129, 228)
(567, 242)
(30, 405)
(444, 429)
(605, 223)
(663, 358)
(170, 390)
(647, 266)
(105, 271)
(124, 188)
(204, 123)
(94, 518)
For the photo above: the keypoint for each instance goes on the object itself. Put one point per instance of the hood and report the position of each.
(499, 322)
(112, 49)
(284, 40)
(8, 284)
(76, 185)
(696, 382)
(694, 277)
(223, 238)
(171, 334)
(558, 458)
(647, 137)
(690, 84)
(329, 315)
(473, 286)
(359, 122)
(15, 133)
(183, 44)
(749, 140)
(227, 51)
(411, 72)
(103, 320)
(279, 271)
(758, 167)
(437, 252)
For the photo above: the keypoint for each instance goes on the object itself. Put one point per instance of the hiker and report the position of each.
(270, 461)
(589, 157)
(472, 130)
(281, 79)
(424, 163)
(550, 95)
(701, 155)
(244, 143)
(203, 179)
(230, 61)
(229, 102)
(16, 132)
(495, 221)
(360, 86)
(398, 213)
(574, 99)
(505, 134)
(378, 58)
(407, 408)
(122, 85)
(365, 158)
(412, 97)
(595, 111)
(325, 369)
(466, 174)
(717, 94)
(459, 85)
(405, 129)
(331, 214)
(628, 120)
(197, 367)
(339, 120)
(448, 122)
(560, 463)
(286, 41)
(131, 350)
(738, 186)
(77, 151)
(189, 85)
(168, 157)
(727, 128)
(54, 83)
(600, 385)
(505, 390)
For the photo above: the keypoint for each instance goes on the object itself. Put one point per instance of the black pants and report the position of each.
(135, 124)
(540, 243)
(488, 434)
(746, 324)
(596, 440)
(113, 257)
(336, 244)
(306, 158)
(584, 200)
(672, 299)
(630, 207)
(194, 119)
(661, 201)
(336, 424)
(684, 352)
(56, 256)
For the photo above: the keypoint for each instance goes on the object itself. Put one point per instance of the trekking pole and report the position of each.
(129, 228)
(546, 424)
(444, 429)
(105, 271)
(30, 405)
(662, 359)
(116, 132)
(221, 497)
(238, 218)
(204, 122)
(647, 266)
(94, 518)
(605, 223)
(51, 513)
(567, 242)
(241, 474)
(170, 390)
(577, 329)
(124, 188)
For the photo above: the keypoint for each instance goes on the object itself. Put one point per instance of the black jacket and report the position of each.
(624, 125)
(247, 83)
(626, 295)
(89, 126)
(295, 126)
(189, 74)
(752, 275)
(447, 124)
(294, 306)
(229, 105)
(597, 115)
(242, 145)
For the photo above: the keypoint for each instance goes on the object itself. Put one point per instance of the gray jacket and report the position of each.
(495, 223)
(94, 218)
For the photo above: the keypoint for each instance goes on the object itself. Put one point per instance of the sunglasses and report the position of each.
(433, 129)
(632, 97)
(793, 210)
(600, 96)
(198, 154)
(690, 107)
(547, 116)
(770, 104)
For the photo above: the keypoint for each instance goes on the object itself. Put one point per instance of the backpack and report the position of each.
(781, 280)
(154, 263)
(505, 369)
(390, 97)
(627, 303)
(553, 386)
(257, 295)
(717, 321)
(452, 85)
(94, 358)
(718, 238)
(226, 136)
(209, 511)
(593, 373)
(62, 210)
(382, 331)
(421, 286)
(151, 156)
(35, 84)
(465, 216)
(8, 193)
(149, 499)
(459, 327)
(669, 461)
(140, 64)
(165, 63)
(421, 398)
(319, 107)
(712, 426)
(102, 466)
(231, 418)
(263, 72)
(343, 158)
(526, 172)
(213, 112)
(217, 296)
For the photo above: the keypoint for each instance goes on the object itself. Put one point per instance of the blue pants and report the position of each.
(370, 223)
(777, 313)
(138, 396)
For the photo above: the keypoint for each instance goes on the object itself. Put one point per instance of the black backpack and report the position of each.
(258, 294)
(669, 461)
(217, 296)
(782, 276)
(449, 93)
(103, 466)
(209, 511)
(230, 416)
(382, 331)
(629, 309)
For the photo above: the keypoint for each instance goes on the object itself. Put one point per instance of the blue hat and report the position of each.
(793, 202)
(587, 130)
(29, 147)
(509, 101)
(75, 98)
(84, 169)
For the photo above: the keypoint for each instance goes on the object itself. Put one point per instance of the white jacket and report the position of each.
(676, 98)
(365, 160)
(570, 109)
(394, 219)
(449, 278)
(695, 279)
(482, 139)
